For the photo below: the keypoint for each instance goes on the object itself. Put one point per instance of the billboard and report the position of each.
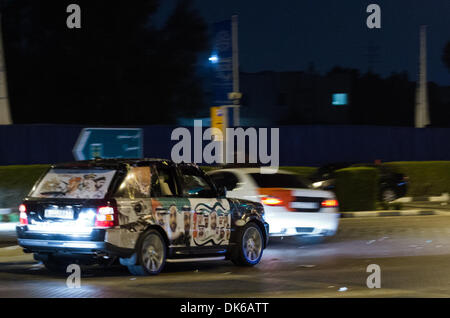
(218, 119)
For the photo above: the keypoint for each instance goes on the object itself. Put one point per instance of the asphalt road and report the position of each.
(412, 252)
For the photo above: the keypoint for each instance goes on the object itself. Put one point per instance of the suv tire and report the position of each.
(152, 251)
(249, 247)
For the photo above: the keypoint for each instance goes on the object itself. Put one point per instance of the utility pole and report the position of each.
(226, 113)
(422, 116)
(236, 95)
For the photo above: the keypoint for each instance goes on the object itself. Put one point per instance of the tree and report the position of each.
(446, 55)
(119, 68)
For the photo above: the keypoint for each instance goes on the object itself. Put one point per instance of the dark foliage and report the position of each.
(446, 55)
(119, 68)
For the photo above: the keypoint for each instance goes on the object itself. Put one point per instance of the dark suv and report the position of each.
(392, 185)
(142, 212)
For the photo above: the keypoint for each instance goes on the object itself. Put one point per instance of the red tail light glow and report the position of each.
(23, 215)
(330, 204)
(271, 201)
(106, 217)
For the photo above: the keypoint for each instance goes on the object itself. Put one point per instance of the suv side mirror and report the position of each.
(222, 192)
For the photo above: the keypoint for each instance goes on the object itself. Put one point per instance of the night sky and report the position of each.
(287, 35)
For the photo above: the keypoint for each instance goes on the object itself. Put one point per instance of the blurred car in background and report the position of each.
(292, 207)
(392, 185)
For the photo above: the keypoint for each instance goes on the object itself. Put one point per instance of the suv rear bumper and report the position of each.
(51, 245)
(47, 243)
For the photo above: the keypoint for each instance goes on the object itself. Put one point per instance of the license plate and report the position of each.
(305, 205)
(59, 214)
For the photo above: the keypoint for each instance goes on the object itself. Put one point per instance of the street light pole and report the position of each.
(422, 116)
(236, 95)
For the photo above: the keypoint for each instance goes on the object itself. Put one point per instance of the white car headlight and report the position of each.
(318, 184)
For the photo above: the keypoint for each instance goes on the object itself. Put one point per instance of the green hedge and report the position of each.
(302, 171)
(16, 182)
(357, 188)
(13, 217)
(425, 177)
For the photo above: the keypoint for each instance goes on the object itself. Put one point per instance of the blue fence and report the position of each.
(299, 145)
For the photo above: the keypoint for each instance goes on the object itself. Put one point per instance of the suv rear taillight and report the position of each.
(106, 217)
(23, 215)
(330, 204)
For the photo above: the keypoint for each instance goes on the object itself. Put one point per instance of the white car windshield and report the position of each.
(74, 184)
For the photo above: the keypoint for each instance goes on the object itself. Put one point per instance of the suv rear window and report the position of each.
(74, 184)
(279, 180)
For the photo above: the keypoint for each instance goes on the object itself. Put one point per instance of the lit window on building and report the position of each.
(340, 99)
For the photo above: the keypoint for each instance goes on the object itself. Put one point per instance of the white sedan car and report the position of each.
(291, 207)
